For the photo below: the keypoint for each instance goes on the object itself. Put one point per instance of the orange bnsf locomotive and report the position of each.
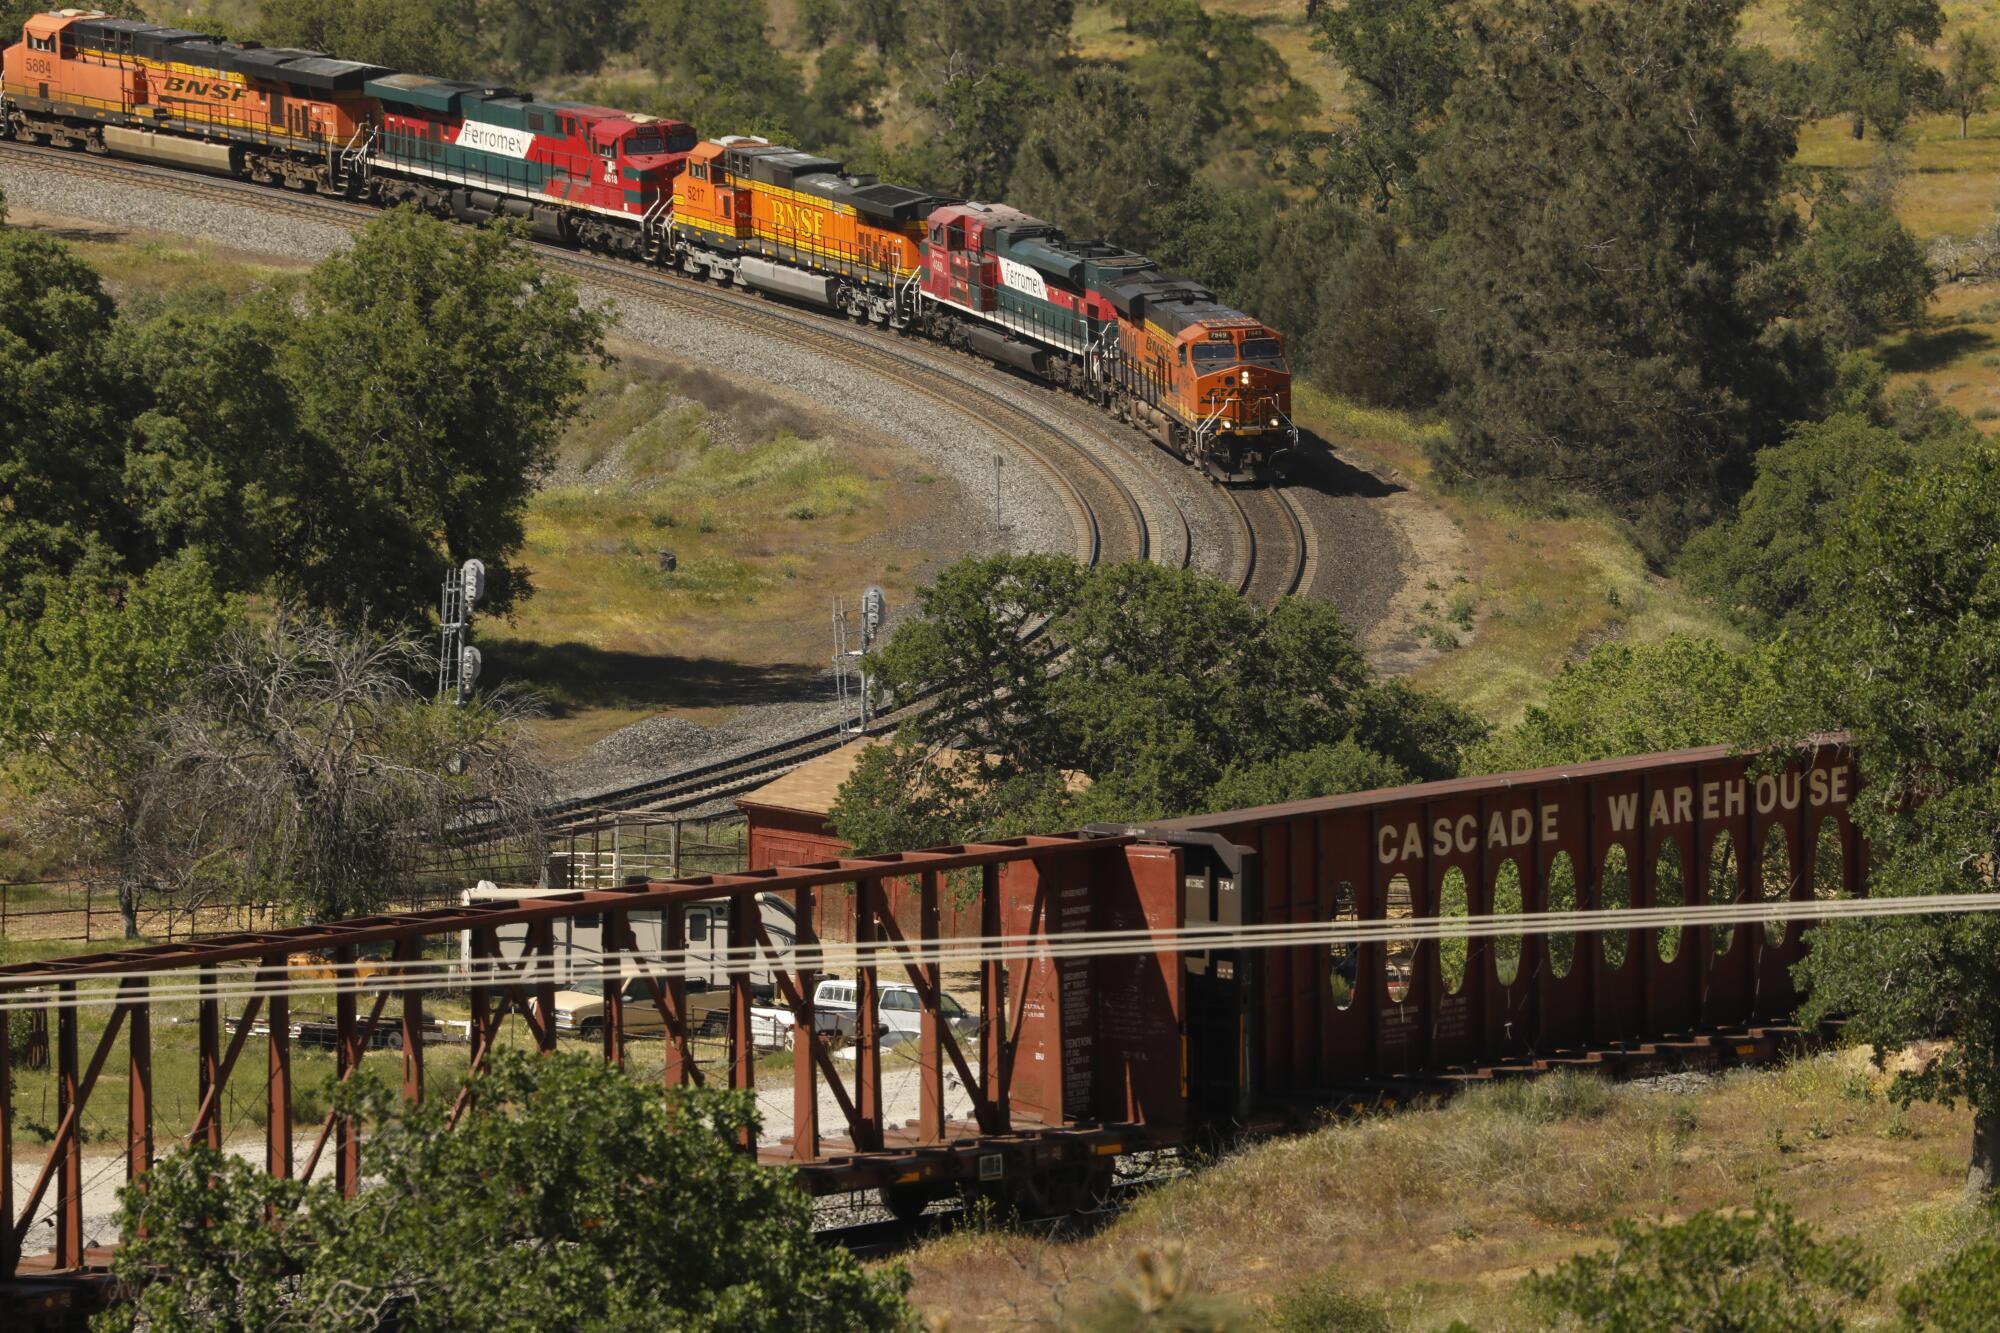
(1159, 351)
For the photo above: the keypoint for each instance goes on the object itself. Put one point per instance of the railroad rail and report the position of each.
(1134, 990)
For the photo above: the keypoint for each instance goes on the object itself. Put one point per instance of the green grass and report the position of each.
(176, 1044)
(148, 269)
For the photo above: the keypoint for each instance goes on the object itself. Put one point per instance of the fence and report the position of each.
(596, 855)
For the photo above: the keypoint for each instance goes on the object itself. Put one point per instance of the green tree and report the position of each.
(978, 73)
(437, 364)
(1863, 272)
(1327, 770)
(438, 37)
(1158, 685)
(1869, 56)
(569, 1196)
(717, 64)
(1626, 699)
(1215, 68)
(969, 647)
(61, 426)
(1610, 191)
(215, 462)
(539, 38)
(1080, 166)
(1969, 77)
(85, 684)
(1757, 1271)
(1959, 1295)
(1760, 564)
(1901, 650)
(1376, 333)
(1405, 57)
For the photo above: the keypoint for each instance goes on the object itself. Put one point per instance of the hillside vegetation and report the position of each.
(1413, 1219)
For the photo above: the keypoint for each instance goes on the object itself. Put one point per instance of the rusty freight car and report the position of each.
(1138, 988)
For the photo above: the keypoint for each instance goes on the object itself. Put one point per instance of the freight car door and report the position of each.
(1219, 986)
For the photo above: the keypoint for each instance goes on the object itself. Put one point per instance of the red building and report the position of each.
(787, 825)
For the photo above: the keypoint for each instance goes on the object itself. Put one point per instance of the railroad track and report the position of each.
(1108, 519)
(1286, 559)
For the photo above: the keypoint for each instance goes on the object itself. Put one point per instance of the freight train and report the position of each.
(1158, 351)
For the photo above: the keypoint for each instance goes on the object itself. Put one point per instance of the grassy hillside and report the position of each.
(769, 511)
(1436, 1215)
(1537, 589)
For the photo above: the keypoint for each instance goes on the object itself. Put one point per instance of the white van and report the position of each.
(898, 1011)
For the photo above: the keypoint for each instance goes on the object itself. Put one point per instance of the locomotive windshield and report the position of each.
(1212, 355)
(649, 141)
(1266, 352)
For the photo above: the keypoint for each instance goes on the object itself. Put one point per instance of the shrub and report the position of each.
(1321, 1304)
(1759, 1271)
(1959, 1295)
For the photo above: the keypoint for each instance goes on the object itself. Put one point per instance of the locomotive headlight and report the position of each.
(1246, 377)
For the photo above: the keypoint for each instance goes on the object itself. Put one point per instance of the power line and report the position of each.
(396, 976)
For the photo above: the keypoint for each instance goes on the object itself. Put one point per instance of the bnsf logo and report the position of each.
(215, 90)
(791, 217)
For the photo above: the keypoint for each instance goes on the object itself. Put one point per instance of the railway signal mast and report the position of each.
(874, 610)
(458, 660)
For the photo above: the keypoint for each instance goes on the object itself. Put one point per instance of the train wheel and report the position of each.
(906, 1203)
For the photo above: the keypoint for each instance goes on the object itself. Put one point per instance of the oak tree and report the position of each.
(1868, 54)
(1969, 77)
(436, 364)
(1901, 650)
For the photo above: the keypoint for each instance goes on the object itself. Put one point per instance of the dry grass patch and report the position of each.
(769, 510)
(147, 268)
(1439, 1213)
(1537, 590)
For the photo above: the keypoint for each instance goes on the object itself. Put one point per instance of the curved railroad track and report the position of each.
(1109, 519)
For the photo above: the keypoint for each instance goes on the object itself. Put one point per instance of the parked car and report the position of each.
(898, 1011)
(580, 1013)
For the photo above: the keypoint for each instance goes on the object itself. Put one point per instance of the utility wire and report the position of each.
(263, 980)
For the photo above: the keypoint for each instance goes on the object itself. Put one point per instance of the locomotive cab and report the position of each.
(1238, 392)
(648, 154)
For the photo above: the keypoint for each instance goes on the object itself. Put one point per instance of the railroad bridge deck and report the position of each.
(1137, 988)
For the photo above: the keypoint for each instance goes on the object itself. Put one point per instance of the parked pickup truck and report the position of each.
(580, 1013)
(898, 1014)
